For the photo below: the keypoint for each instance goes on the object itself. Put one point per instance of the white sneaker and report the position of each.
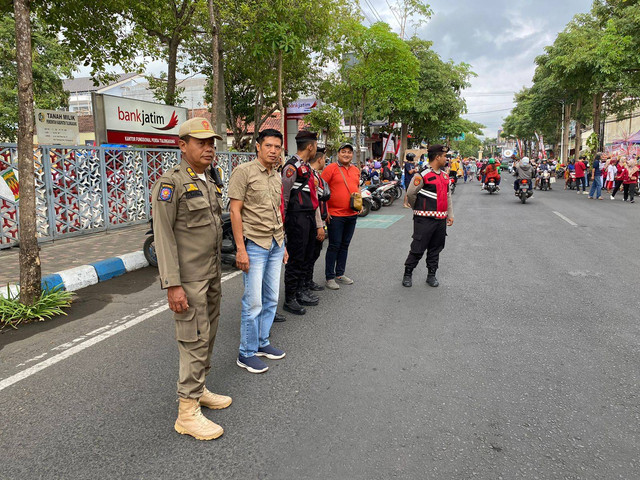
(611, 197)
(344, 280)
(585, 193)
(332, 285)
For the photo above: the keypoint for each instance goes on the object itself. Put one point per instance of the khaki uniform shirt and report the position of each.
(187, 226)
(260, 192)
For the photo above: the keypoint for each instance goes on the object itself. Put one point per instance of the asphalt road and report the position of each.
(523, 364)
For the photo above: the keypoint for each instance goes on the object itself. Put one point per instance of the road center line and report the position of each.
(569, 221)
(75, 347)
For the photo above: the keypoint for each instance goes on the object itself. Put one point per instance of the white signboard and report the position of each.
(136, 122)
(55, 127)
(301, 107)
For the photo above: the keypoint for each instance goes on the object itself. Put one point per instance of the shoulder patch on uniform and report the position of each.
(165, 194)
(190, 187)
(191, 173)
(290, 171)
(416, 181)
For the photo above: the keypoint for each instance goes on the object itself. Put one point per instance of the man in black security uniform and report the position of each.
(324, 193)
(430, 198)
(303, 223)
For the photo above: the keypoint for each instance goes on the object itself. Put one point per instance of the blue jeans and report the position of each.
(260, 298)
(596, 187)
(340, 234)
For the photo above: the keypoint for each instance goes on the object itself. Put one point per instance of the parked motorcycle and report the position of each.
(228, 248)
(523, 190)
(386, 193)
(366, 202)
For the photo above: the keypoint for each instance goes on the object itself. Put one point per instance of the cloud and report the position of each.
(500, 39)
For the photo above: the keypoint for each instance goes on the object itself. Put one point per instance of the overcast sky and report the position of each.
(499, 38)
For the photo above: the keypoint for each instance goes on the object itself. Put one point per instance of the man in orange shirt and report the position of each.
(343, 179)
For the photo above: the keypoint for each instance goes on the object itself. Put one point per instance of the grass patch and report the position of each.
(50, 304)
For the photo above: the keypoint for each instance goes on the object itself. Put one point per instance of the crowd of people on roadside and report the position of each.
(607, 172)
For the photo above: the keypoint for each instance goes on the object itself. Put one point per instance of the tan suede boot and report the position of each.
(213, 400)
(192, 422)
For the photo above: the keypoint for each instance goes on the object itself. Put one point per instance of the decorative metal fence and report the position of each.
(81, 190)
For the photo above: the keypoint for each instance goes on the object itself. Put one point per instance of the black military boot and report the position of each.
(279, 318)
(406, 280)
(314, 287)
(291, 305)
(304, 298)
(307, 291)
(432, 281)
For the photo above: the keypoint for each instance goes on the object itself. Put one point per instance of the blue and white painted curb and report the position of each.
(86, 275)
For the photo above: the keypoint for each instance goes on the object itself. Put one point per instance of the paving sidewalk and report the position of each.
(76, 251)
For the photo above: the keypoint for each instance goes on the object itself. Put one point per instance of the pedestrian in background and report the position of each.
(596, 176)
(255, 193)
(324, 194)
(343, 179)
(620, 171)
(612, 170)
(630, 181)
(409, 170)
(187, 228)
(581, 169)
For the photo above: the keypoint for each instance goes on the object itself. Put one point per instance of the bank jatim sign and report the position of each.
(136, 122)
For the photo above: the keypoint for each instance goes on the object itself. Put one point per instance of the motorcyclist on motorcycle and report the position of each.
(543, 167)
(387, 174)
(523, 171)
(491, 173)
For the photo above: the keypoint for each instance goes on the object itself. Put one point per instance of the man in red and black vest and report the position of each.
(303, 223)
(324, 193)
(430, 198)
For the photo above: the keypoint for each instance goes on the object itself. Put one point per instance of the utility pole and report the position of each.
(562, 138)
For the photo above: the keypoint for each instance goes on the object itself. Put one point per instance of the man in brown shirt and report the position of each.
(255, 191)
(188, 234)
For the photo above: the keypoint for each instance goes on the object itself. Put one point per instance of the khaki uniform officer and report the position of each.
(188, 234)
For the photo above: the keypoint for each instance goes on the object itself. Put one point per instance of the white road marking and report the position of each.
(569, 221)
(92, 338)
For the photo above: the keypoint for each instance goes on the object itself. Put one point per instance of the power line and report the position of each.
(373, 10)
(394, 14)
(365, 15)
(489, 111)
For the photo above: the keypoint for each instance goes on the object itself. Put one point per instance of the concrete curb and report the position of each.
(86, 275)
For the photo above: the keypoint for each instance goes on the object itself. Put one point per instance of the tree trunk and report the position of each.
(404, 131)
(29, 258)
(359, 129)
(578, 141)
(280, 103)
(215, 64)
(597, 111)
(257, 114)
(565, 135)
(170, 98)
(221, 123)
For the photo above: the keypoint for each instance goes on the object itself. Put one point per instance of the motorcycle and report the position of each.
(367, 203)
(571, 184)
(452, 184)
(385, 193)
(523, 190)
(545, 180)
(491, 186)
(228, 248)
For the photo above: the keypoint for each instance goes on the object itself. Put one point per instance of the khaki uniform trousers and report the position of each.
(196, 333)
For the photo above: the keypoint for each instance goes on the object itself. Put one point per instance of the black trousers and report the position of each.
(301, 236)
(580, 180)
(428, 234)
(618, 184)
(629, 190)
(315, 254)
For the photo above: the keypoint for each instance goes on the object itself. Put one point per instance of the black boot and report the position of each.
(279, 318)
(314, 287)
(304, 298)
(307, 291)
(432, 281)
(406, 280)
(291, 305)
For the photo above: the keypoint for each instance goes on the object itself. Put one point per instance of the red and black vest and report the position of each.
(324, 194)
(432, 198)
(303, 196)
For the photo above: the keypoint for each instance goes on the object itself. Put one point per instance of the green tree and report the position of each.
(378, 73)
(469, 147)
(327, 119)
(51, 61)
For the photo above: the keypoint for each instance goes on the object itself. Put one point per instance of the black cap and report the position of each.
(306, 135)
(346, 145)
(437, 149)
